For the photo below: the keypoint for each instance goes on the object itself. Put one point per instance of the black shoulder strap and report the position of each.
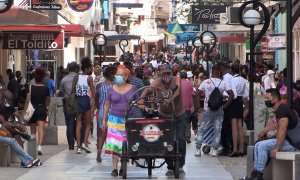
(212, 82)
(75, 80)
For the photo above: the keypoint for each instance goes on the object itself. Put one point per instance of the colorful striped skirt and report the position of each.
(116, 134)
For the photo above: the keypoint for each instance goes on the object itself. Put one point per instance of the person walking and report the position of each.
(39, 97)
(65, 89)
(114, 115)
(85, 95)
(100, 99)
(212, 116)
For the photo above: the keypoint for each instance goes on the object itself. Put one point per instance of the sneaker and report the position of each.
(213, 152)
(114, 173)
(181, 171)
(188, 141)
(78, 151)
(120, 172)
(170, 173)
(86, 148)
(198, 152)
(40, 153)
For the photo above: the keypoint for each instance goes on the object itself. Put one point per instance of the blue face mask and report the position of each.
(119, 80)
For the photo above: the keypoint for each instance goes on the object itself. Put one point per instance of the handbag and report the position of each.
(71, 101)
(30, 109)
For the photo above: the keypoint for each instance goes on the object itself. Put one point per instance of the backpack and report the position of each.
(215, 100)
(71, 101)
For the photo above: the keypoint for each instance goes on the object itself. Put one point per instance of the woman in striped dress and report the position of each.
(114, 115)
(100, 98)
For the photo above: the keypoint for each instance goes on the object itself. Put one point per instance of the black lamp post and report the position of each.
(141, 42)
(250, 19)
(98, 41)
(207, 40)
(5, 5)
(122, 44)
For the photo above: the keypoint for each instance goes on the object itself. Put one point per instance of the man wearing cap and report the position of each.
(269, 80)
(65, 90)
(171, 108)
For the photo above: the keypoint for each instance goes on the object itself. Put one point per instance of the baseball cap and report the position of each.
(189, 74)
(269, 72)
(164, 68)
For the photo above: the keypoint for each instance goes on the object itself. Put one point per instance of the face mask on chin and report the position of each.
(269, 103)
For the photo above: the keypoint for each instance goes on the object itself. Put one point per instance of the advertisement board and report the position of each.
(207, 14)
(276, 41)
(33, 40)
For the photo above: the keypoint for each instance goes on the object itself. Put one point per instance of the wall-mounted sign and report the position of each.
(80, 5)
(185, 27)
(207, 14)
(33, 40)
(276, 41)
(45, 5)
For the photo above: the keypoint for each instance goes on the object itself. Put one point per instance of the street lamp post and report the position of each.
(98, 41)
(122, 44)
(141, 42)
(207, 40)
(250, 19)
(196, 43)
(5, 5)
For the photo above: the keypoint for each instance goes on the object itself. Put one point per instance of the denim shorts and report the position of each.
(83, 103)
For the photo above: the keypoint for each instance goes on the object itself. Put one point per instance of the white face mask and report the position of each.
(6, 104)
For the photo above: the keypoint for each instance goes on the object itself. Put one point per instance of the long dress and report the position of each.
(102, 92)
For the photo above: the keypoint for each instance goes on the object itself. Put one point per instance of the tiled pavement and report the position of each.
(68, 165)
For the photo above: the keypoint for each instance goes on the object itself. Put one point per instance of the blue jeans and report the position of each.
(262, 150)
(24, 157)
(71, 126)
(208, 117)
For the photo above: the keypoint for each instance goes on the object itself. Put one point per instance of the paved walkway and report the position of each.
(68, 165)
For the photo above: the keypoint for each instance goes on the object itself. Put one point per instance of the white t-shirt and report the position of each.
(269, 83)
(209, 85)
(227, 77)
(154, 63)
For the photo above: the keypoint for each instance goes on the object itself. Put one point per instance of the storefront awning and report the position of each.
(32, 27)
(235, 28)
(75, 30)
(17, 15)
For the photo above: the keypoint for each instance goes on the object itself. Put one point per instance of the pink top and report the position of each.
(187, 91)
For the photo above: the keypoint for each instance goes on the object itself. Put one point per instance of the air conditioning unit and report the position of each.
(223, 18)
(233, 14)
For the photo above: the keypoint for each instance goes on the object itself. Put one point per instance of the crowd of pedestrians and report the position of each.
(198, 99)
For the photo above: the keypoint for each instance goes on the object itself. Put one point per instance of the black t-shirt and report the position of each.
(39, 94)
(6, 112)
(284, 111)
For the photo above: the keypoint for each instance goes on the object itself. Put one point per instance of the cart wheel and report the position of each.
(176, 172)
(149, 167)
(206, 149)
(124, 167)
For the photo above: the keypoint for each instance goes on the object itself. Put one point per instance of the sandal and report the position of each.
(114, 173)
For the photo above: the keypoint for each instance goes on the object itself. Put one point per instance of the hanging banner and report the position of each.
(276, 41)
(80, 5)
(207, 14)
(33, 40)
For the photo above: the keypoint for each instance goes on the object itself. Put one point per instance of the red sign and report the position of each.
(80, 5)
(33, 40)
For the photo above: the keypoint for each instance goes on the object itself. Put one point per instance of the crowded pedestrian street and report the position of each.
(150, 89)
(62, 164)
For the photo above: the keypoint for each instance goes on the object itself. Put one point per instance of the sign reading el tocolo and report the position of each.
(33, 40)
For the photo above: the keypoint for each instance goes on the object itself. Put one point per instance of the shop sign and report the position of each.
(45, 5)
(276, 41)
(151, 133)
(33, 40)
(185, 27)
(258, 45)
(80, 5)
(207, 14)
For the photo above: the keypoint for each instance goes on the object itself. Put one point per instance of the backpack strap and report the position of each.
(74, 82)
(214, 83)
